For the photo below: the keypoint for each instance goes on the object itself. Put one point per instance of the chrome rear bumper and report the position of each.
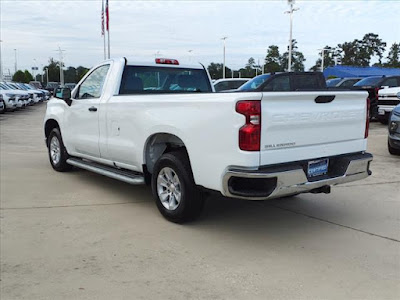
(289, 179)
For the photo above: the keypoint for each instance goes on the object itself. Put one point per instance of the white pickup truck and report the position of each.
(162, 124)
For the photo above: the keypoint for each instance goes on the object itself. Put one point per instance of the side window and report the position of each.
(222, 86)
(305, 82)
(349, 83)
(391, 82)
(278, 84)
(93, 84)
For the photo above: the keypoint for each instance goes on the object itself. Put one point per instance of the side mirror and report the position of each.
(64, 94)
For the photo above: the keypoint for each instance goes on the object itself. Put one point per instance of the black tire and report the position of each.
(2, 111)
(383, 120)
(191, 198)
(61, 164)
(393, 151)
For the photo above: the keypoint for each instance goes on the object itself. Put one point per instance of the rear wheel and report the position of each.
(3, 110)
(57, 153)
(393, 151)
(383, 120)
(176, 195)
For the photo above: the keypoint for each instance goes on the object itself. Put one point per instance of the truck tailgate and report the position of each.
(296, 126)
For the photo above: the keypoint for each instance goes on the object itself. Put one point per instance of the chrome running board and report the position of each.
(122, 175)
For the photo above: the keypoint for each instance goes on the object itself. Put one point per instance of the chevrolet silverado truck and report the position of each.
(387, 101)
(162, 124)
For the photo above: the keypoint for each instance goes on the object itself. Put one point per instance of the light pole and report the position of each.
(291, 11)
(60, 51)
(47, 75)
(15, 66)
(1, 64)
(190, 55)
(323, 56)
(34, 69)
(223, 70)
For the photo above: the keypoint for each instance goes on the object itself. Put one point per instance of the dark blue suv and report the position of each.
(394, 131)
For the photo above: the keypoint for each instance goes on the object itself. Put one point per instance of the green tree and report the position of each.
(53, 70)
(273, 60)
(354, 54)
(297, 59)
(215, 70)
(249, 70)
(374, 45)
(393, 58)
(80, 72)
(19, 76)
(329, 58)
(70, 75)
(360, 52)
(28, 76)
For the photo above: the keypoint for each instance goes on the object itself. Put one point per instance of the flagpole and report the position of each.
(104, 40)
(102, 29)
(108, 34)
(108, 27)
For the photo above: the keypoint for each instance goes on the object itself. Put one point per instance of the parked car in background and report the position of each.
(387, 101)
(373, 84)
(285, 82)
(2, 104)
(8, 99)
(342, 82)
(50, 86)
(71, 86)
(394, 131)
(36, 84)
(21, 98)
(38, 96)
(229, 83)
(45, 94)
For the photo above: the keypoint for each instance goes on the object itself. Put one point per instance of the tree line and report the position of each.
(358, 52)
(71, 74)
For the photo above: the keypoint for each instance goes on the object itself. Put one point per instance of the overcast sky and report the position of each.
(141, 28)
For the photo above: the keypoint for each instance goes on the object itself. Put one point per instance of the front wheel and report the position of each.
(57, 153)
(176, 195)
(2, 111)
(392, 150)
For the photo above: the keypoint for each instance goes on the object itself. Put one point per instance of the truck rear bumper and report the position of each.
(289, 179)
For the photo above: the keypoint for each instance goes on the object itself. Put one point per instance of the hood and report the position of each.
(389, 91)
(15, 92)
(396, 110)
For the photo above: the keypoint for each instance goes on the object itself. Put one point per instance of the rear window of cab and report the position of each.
(158, 80)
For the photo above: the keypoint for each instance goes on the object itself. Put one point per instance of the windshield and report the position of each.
(21, 86)
(369, 81)
(145, 80)
(4, 87)
(254, 83)
(11, 86)
(333, 82)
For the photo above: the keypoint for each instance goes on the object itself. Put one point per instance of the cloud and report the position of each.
(141, 28)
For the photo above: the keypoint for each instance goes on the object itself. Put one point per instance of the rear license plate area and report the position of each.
(317, 167)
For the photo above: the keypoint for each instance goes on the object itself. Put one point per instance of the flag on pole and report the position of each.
(107, 16)
(102, 17)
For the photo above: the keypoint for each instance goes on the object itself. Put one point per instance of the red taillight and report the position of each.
(250, 133)
(367, 119)
(167, 61)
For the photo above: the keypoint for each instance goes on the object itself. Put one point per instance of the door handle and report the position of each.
(92, 108)
(324, 99)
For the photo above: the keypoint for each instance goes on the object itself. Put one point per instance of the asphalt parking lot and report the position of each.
(79, 235)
